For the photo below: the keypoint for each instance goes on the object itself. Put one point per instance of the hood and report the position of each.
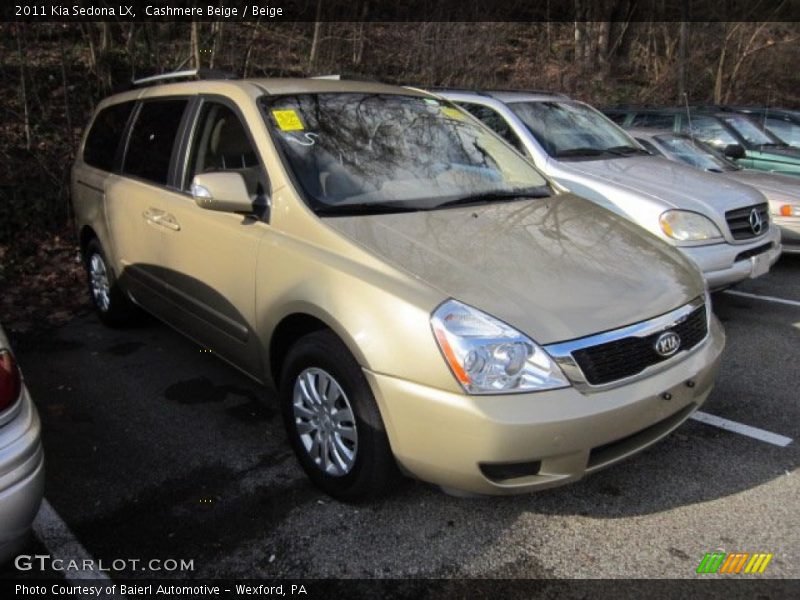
(773, 185)
(555, 268)
(675, 184)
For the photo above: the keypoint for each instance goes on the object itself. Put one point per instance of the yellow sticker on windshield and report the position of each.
(288, 120)
(453, 113)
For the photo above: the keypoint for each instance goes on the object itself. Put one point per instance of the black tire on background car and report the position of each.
(110, 302)
(333, 421)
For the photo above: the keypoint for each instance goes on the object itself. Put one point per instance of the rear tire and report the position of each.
(110, 302)
(333, 421)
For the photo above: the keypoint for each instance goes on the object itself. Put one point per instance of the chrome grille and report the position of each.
(739, 221)
(629, 356)
(619, 356)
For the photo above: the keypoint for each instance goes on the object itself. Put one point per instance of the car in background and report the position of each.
(736, 135)
(782, 192)
(419, 294)
(591, 156)
(21, 456)
(781, 122)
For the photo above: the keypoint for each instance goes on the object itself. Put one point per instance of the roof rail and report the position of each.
(489, 92)
(346, 77)
(186, 74)
(451, 89)
(537, 92)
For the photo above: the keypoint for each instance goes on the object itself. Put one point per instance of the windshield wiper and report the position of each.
(362, 208)
(584, 151)
(775, 145)
(498, 195)
(626, 150)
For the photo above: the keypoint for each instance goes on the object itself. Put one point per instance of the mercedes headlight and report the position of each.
(687, 226)
(489, 357)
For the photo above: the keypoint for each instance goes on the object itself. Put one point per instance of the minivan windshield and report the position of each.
(695, 153)
(367, 153)
(574, 130)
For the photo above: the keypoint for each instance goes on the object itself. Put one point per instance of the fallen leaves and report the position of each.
(41, 281)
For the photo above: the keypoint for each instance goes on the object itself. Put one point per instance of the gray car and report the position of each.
(21, 456)
(723, 226)
(783, 192)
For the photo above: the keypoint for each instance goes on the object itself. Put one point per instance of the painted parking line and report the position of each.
(56, 536)
(753, 432)
(765, 298)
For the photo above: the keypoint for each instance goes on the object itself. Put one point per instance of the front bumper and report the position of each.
(21, 475)
(790, 233)
(446, 438)
(724, 264)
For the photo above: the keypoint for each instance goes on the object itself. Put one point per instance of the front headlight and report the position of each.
(687, 226)
(489, 357)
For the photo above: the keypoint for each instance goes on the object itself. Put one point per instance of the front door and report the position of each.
(211, 256)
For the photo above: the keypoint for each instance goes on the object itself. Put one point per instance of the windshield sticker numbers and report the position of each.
(307, 139)
(288, 120)
(453, 113)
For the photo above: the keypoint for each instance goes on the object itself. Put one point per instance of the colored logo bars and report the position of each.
(737, 562)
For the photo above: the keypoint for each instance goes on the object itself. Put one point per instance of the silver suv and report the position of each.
(723, 226)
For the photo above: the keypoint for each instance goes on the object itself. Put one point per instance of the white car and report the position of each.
(722, 225)
(21, 456)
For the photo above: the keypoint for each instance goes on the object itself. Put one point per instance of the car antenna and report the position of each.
(689, 117)
(766, 110)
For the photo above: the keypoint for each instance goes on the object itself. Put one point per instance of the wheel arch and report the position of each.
(293, 326)
(87, 234)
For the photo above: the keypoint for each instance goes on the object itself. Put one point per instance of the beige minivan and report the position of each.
(423, 299)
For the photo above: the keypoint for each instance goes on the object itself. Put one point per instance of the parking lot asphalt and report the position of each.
(156, 449)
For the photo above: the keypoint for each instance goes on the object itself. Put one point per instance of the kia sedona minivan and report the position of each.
(591, 156)
(422, 298)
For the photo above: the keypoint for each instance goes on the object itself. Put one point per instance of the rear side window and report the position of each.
(153, 138)
(653, 121)
(104, 136)
(617, 117)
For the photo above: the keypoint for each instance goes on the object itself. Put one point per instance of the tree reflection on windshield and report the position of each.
(378, 151)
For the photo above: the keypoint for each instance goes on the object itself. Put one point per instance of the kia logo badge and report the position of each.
(667, 343)
(756, 224)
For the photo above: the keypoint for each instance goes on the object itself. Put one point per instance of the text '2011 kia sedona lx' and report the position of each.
(418, 293)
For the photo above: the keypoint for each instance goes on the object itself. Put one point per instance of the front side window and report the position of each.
(366, 153)
(750, 131)
(153, 138)
(708, 129)
(694, 153)
(221, 143)
(494, 121)
(104, 137)
(568, 129)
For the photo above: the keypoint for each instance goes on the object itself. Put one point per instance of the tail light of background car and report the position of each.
(10, 380)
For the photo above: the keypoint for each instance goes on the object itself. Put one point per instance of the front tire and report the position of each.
(110, 302)
(332, 420)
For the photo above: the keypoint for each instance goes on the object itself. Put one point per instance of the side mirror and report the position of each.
(734, 151)
(223, 191)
